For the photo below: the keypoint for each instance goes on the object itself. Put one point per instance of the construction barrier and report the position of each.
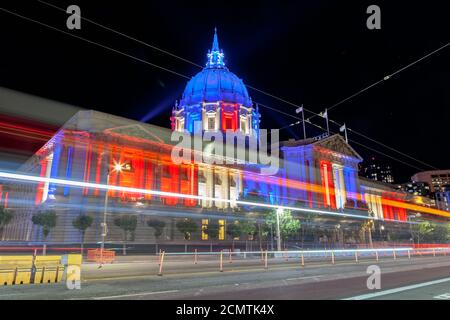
(15, 269)
(48, 269)
(95, 255)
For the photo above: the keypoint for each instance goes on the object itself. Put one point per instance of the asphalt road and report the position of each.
(250, 280)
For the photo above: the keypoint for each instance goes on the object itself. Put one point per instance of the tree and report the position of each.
(128, 224)
(307, 224)
(5, 217)
(234, 230)
(82, 223)
(440, 233)
(421, 231)
(46, 220)
(248, 227)
(187, 227)
(212, 230)
(366, 228)
(289, 226)
(158, 227)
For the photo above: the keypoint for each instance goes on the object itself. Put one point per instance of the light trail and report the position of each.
(31, 178)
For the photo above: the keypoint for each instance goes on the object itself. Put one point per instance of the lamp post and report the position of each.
(118, 168)
(279, 213)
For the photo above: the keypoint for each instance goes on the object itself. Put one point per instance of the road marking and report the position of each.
(445, 296)
(303, 278)
(134, 295)
(396, 290)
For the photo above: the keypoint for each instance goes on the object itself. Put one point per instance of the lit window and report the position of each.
(204, 227)
(211, 123)
(221, 229)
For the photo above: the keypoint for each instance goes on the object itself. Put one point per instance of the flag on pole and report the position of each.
(300, 110)
(324, 114)
(344, 129)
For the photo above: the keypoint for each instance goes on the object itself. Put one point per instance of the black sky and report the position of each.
(311, 52)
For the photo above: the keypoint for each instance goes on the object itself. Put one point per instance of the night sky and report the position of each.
(314, 53)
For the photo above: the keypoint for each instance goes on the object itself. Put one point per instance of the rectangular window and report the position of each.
(211, 123)
(244, 125)
(228, 124)
(204, 227)
(221, 229)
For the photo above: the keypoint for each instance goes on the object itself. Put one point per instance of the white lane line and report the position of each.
(303, 278)
(396, 290)
(445, 296)
(134, 295)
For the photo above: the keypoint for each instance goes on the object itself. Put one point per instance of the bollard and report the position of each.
(332, 257)
(265, 261)
(230, 258)
(409, 254)
(161, 263)
(376, 255)
(44, 249)
(434, 252)
(395, 255)
(221, 261)
(356, 256)
(159, 257)
(286, 255)
(195, 257)
(303, 260)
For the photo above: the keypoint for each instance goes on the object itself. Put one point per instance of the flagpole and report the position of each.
(345, 132)
(344, 128)
(303, 122)
(326, 117)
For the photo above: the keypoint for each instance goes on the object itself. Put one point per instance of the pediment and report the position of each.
(140, 132)
(338, 144)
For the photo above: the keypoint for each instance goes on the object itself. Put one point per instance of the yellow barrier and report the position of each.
(15, 269)
(48, 269)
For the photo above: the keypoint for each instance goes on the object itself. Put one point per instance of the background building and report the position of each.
(416, 188)
(443, 198)
(437, 179)
(377, 170)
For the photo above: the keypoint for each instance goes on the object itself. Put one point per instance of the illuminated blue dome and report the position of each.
(215, 83)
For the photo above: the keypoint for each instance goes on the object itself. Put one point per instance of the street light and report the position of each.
(118, 167)
(279, 213)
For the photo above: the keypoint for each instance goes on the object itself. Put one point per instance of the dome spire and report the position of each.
(215, 55)
(215, 45)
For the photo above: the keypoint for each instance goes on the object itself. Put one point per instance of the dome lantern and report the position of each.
(216, 97)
